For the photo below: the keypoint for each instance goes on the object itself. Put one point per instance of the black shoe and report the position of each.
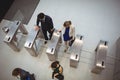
(50, 38)
(45, 42)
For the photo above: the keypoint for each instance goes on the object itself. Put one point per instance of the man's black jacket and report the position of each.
(46, 24)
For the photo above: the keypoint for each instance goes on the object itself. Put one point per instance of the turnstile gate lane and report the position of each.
(11, 35)
(53, 46)
(31, 42)
(100, 57)
(75, 51)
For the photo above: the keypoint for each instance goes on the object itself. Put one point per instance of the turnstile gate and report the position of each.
(75, 51)
(31, 44)
(100, 57)
(53, 46)
(12, 30)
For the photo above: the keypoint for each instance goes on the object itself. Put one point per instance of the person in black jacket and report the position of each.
(46, 25)
(22, 74)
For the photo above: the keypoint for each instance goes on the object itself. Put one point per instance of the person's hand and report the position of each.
(55, 75)
(52, 29)
(59, 30)
(36, 28)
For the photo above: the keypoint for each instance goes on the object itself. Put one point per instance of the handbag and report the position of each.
(71, 42)
(60, 77)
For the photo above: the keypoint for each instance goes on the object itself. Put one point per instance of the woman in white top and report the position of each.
(68, 33)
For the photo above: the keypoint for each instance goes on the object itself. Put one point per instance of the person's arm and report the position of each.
(50, 23)
(61, 70)
(37, 27)
(73, 33)
(37, 22)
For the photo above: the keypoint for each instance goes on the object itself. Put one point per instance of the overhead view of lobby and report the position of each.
(60, 40)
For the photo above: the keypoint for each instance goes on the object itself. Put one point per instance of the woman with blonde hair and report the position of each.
(68, 33)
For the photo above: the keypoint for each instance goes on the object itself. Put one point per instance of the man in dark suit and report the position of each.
(46, 25)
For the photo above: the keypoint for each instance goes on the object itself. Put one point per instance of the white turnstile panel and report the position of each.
(100, 57)
(53, 46)
(75, 51)
(13, 27)
(74, 59)
(30, 44)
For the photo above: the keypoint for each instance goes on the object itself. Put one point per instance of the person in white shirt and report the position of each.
(68, 33)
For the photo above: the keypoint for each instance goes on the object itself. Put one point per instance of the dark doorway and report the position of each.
(4, 7)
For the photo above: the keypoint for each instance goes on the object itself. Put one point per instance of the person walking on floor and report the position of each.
(46, 25)
(57, 71)
(68, 34)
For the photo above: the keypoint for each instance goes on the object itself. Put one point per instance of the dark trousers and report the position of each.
(45, 33)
